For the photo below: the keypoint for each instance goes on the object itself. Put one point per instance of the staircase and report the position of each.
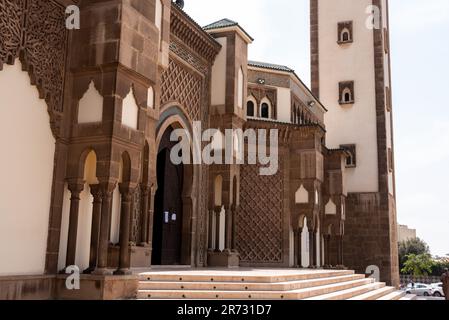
(263, 285)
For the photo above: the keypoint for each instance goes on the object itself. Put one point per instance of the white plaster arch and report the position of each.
(26, 170)
(330, 208)
(301, 195)
(90, 107)
(130, 111)
(150, 98)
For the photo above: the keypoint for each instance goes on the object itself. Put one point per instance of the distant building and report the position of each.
(405, 233)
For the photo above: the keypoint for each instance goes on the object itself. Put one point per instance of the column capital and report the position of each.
(96, 192)
(75, 186)
(108, 187)
(127, 189)
(217, 209)
(145, 189)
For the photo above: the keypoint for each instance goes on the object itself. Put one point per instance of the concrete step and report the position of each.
(258, 295)
(245, 286)
(396, 295)
(349, 292)
(230, 276)
(374, 295)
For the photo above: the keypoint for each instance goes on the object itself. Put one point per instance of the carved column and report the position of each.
(107, 190)
(327, 239)
(75, 189)
(340, 250)
(312, 249)
(125, 223)
(145, 242)
(211, 233)
(95, 190)
(228, 229)
(151, 216)
(298, 248)
(217, 229)
(233, 213)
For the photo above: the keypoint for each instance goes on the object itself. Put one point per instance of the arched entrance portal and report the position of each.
(168, 213)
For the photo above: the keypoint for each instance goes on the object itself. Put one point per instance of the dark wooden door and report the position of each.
(167, 232)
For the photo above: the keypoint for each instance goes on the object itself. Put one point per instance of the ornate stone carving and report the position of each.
(44, 50)
(189, 32)
(259, 218)
(11, 29)
(136, 214)
(35, 32)
(181, 51)
(182, 86)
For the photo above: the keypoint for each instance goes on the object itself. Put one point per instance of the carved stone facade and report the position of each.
(150, 77)
(40, 46)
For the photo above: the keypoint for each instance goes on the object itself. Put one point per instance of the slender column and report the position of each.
(211, 233)
(295, 248)
(217, 229)
(95, 190)
(233, 213)
(125, 223)
(75, 189)
(299, 248)
(151, 216)
(107, 190)
(228, 229)
(311, 249)
(145, 212)
(340, 250)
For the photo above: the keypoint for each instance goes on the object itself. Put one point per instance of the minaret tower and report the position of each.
(351, 76)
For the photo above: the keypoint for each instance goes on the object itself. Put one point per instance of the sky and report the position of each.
(419, 35)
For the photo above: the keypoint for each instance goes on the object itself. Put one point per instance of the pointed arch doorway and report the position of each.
(168, 210)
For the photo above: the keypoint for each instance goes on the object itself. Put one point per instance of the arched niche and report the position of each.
(130, 111)
(26, 168)
(90, 107)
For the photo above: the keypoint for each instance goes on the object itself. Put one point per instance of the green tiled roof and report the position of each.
(271, 66)
(225, 23)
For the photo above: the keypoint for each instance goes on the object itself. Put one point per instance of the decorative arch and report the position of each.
(265, 109)
(130, 110)
(251, 107)
(90, 106)
(27, 166)
(172, 116)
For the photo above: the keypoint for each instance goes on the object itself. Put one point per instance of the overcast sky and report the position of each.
(420, 62)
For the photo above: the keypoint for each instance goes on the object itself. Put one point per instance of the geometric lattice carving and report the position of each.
(259, 219)
(11, 17)
(35, 31)
(184, 87)
(136, 224)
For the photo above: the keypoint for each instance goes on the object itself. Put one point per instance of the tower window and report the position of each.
(265, 111)
(346, 92)
(345, 32)
(351, 158)
(250, 109)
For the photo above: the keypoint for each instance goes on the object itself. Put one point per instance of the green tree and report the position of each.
(413, 246)
(418, 265)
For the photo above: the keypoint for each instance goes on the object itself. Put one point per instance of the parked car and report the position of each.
(437, 289)
(419, 289)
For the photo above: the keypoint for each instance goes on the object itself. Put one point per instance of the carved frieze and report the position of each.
(35, 32)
